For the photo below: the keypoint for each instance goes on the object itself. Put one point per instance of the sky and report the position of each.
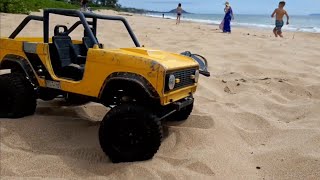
(296, 7)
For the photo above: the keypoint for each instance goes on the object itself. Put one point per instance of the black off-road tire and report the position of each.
(181, 115)
(130, 133)
(17, 96)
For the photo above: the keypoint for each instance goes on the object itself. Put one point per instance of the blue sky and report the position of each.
(216, 6)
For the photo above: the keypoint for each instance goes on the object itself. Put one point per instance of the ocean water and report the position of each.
(307, 23)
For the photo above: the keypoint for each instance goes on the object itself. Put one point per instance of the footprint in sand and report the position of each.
(227, 90)
(174, 161)
(4, 171)
(314, 91)
(198, 167)
(232, 105)
(166, 175)
(250, 122)
(204, 100)
(252, 128)
(241, 80)
(93, 155)
(201, 168)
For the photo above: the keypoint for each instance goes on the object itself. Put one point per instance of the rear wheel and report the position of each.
(130, 133)
(17, 96)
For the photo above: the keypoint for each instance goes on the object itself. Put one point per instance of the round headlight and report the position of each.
(196, 76)
(171, 82)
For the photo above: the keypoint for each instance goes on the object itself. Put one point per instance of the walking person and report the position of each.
(179, 13)
(227, 18)
(84, 5)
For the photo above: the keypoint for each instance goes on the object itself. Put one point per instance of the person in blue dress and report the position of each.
(227, 18)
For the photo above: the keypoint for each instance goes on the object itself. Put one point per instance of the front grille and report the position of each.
(184, 76)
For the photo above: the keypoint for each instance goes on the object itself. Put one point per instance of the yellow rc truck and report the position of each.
(142, 86)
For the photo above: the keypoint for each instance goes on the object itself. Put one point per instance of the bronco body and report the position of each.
(142, 86)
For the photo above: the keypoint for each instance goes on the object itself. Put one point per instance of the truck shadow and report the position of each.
(63, 132)
(69, 134)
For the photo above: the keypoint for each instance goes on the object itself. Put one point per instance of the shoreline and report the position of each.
(237, 24)
(244, 30)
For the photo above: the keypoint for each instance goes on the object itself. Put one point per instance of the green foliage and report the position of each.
(26, 6)
(106, 3)
(111, 3)
(13, 6)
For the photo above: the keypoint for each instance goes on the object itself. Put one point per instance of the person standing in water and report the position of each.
(179, 13)
(227, 18)
(279, 12)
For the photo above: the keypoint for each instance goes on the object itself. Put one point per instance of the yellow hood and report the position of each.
(170, 61)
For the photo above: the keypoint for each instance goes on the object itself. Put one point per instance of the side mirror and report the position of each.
(202, 61)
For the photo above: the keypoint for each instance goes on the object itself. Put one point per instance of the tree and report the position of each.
(13, 6)
(110, 3)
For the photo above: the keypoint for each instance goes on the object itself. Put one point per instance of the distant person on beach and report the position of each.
(280, 12)
(84, 4)
(226, 23)
(179, 13)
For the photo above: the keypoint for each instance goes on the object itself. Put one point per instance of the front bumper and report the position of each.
(182, 103)
(176, 95)
(174, 107)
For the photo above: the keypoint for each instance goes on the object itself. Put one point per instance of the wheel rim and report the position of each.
(130, 136)
(121, 97)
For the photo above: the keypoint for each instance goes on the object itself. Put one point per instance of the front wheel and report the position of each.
(130, 133)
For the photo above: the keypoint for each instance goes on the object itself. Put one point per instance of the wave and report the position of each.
(207, 21)
(251, 25)
(289, 27)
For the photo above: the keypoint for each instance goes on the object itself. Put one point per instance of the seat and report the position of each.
(66, 62)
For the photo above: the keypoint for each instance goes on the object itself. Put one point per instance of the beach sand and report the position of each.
(256, 117)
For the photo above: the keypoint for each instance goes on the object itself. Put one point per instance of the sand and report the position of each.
(256, 117)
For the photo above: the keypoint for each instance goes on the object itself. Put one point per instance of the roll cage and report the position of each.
(91, 32)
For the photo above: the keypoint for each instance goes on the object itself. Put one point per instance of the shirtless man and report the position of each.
(280, 12)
